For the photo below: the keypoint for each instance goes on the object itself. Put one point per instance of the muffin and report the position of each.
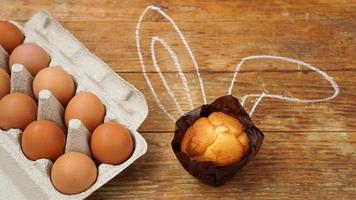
(218, 138)
(214, 141)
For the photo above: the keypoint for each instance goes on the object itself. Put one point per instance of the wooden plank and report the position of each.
(326, 48)
(309, 150)
(272, 114)
(227, 10)
(219, 40)
(291, 165)
(118, 48)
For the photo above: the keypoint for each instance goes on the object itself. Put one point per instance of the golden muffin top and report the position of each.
(218, 138)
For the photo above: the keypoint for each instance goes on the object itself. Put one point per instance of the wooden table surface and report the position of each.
(309, 151)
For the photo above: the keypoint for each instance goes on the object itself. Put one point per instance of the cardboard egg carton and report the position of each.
(22, 178)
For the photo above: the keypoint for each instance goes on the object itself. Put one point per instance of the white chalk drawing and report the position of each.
(263, 94)
(179, 68)
(258, 97)
(175, 59)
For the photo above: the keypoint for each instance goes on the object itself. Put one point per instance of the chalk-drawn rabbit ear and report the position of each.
(156, 39)
(260, 96)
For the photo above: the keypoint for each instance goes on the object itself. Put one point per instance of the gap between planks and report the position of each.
(269, 131)
(244, 71)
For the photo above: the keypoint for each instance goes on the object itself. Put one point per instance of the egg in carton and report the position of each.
(22, 178)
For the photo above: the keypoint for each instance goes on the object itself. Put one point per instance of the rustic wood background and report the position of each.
(310, 149)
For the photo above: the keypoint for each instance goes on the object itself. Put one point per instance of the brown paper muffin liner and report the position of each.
(207, 172)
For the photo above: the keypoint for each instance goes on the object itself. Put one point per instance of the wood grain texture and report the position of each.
(310, 149)
(293, 165)
(272, 114)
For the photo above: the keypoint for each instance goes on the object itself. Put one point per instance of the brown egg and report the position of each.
(4, 83)
(33, 57)
(111, 143)
(43, 139)
(73, 173)
(10, 36)
(86, 107)
(57, 81)
(17, 110)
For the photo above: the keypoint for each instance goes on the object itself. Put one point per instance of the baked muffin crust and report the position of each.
(218, 138)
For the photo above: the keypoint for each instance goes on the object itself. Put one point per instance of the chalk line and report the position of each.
(282, 97)
(256, 103)
(183, 78)
(165, 84)
(175, 60)
(178, 67)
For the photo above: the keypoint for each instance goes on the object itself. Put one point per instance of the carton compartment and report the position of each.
(4, 57)
(49, 108)
(124, 104)
(21, 80)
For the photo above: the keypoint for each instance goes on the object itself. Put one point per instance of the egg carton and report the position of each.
(22, 178)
